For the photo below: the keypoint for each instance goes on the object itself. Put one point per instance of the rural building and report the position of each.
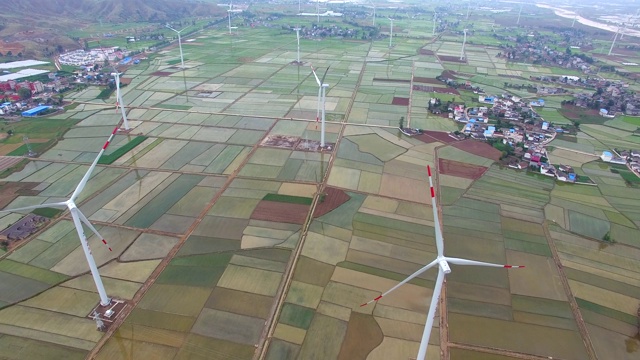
(607, 156)
(35, 111)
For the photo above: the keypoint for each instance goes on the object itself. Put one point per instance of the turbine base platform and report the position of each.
(124, 131)
(314, 146)
(296, 143)
(105, 316)
(299, 63)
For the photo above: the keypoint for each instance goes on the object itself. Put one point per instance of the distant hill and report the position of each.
(40, 26)
(109, 10)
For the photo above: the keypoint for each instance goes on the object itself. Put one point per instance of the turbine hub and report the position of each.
(444, 265)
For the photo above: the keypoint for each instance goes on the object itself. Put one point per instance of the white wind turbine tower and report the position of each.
(179, 42)
(231, 10)
(519, 12)
(443, 268)
(391, 33)
(79, 219)
(373, 20)
(614, 41)
(464, 41)
(468, 8)
(298, 38)
(321, 100)
(231, 27)
(119, 101)
(574, 20)
(434, 23)
(318, 11)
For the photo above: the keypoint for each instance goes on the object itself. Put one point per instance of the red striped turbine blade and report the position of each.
(369, 302)
(105, 242)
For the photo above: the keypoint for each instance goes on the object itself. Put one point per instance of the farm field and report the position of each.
(232, 237)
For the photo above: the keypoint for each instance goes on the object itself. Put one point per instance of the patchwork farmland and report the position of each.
(232, 240)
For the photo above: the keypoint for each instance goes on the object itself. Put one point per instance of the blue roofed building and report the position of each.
(35, 111)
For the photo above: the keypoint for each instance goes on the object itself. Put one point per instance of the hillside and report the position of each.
(34, 28)
(107, 10)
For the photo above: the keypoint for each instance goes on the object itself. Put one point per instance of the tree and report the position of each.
(24, 93)
(9, 53)
(401, 122)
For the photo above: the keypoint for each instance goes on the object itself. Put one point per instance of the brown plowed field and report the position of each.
(447, 90)
(440, 136)
(424, 80)
(280, 212)
(426, 138)
(9, 161)
(400, 101)
(332, 200)
(479, 148)
(11, 190)
(451, 59)
(460, 169)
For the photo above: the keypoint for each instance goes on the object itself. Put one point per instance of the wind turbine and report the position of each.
(231, 10)
(519, 12)
(464, 41)
(468, 8)
(614, 41)
(373, 20)
(119, 101)
(443, 268)
(391, 33)
(321, 99)
(179, 42)
(79, 219)
(574, 20)
(231, 27)
(434, 24)
(298, 38)
(318, 11)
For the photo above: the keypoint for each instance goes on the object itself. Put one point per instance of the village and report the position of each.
(511, 125)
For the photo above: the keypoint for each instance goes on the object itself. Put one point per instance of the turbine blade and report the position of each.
(90, 226)
(325, 75)
(33, 207)
(424, 343)
(315, 75)
(86, 176)
(425, 268)
(436, 218)
(458, 261)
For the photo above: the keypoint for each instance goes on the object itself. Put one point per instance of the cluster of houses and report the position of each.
(329, 31)
(539, 48)
(11, 88)
(519, 127)
(623, 157)
(85, 58)
(613, 96)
